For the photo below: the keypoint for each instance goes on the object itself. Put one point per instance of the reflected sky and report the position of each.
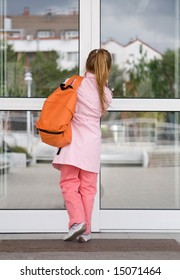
(15, 7)
(152, 21)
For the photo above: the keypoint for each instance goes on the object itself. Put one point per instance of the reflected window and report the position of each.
(72, 56)
(69, 34)
(45, 34)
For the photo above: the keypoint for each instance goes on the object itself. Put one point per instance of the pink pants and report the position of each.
(78, 190)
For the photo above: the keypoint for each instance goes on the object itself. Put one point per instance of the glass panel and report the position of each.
(143, 38)
(140, 160)
(27, 178)
(31, 41)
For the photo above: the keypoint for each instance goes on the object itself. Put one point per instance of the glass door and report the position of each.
(39, 48)
(140, 171)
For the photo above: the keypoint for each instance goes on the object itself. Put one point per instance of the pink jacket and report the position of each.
(84, 150)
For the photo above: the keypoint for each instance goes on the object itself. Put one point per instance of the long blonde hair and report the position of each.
(99, 63)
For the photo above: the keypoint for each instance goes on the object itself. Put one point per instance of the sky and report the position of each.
(16, 7)
(153, 21)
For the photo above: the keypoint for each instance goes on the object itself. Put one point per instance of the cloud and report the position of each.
(152, 21)
(134, 7)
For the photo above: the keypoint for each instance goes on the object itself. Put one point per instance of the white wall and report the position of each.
(117, 50)
(63, 47)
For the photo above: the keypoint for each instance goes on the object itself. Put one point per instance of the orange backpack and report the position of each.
(54, 122)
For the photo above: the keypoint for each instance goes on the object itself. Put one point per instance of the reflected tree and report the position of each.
(116, 81)
(155, 78)
(12, 73)
(46, 73)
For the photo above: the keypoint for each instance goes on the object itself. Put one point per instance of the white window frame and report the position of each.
(103, 220)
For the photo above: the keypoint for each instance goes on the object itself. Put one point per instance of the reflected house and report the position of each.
(29, 34)
(121, 54)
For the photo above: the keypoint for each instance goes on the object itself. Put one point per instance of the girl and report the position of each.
(79, 162)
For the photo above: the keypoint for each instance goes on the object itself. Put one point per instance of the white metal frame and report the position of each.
(103, 220)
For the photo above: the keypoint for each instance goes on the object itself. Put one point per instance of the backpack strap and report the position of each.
(75, 81)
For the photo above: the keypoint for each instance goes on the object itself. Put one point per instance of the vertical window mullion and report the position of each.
(89, 29)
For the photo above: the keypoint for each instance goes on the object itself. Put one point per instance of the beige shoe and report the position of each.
(85, 237)
(74, 231)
